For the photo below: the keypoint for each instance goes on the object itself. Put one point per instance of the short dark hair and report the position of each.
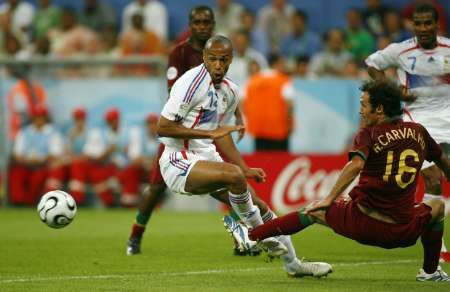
(302, 14)
(272, 58)
(198, 9)
(427, 8)
(218, 39)
(385, 93)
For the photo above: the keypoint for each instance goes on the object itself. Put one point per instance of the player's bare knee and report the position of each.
(236, 179)
(437, 209)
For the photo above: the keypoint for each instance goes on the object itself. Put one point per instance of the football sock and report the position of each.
(142, 218)
(137, 231)
(285, 239)
(285, 225)
(432, 241)
(234, 215)
(427, 197)
(243, 205)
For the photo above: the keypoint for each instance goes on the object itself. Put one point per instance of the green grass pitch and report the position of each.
(184, 252)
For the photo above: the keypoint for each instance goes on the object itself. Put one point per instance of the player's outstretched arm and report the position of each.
(168, 128)
(444, 164)
(348, 174)
(239, 122)
(376, 74)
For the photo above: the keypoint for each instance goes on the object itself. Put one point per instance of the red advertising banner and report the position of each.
(296, 180)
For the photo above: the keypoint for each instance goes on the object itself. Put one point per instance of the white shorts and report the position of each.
(176, 166)
(437, 124)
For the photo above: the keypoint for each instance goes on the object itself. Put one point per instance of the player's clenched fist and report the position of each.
(255, 173)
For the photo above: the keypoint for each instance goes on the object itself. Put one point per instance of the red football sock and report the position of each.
(137, 231)
(285, 225)
(432, 242)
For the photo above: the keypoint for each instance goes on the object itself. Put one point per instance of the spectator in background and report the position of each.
(47, 17)
(141, 150)
(374, 16)
(331, 61)
(22, 99)
(12, 47)
(302, 67)
(359, 41)
(98, 16)
(35, 168)
(75, 142)
(226, 14)
(154, 13)
(352, 70)
(274, 20)
(105, 151)
(18, 16)
(407, 14)
(138, 40)
(301, 40)
(72, 39)
(270, 89)
(393, 27)
(76, 136)
(258, 38)
(242, 56)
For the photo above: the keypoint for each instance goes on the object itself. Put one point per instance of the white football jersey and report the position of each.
(195, 103)
(426, 74)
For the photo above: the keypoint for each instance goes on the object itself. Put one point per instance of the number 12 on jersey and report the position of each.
(402, 167)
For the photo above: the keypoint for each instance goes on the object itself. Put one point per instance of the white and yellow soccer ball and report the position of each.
(57, 209)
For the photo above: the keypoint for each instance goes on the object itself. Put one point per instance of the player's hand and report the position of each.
(255, 173)
(319, 205)
(407, 96)
(224, 130)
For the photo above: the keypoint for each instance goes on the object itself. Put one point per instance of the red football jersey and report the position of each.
(393, 152)
(182, 58)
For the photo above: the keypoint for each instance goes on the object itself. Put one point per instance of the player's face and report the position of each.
(217, 59)
(201, 25)
(367, 113)
(425, 29)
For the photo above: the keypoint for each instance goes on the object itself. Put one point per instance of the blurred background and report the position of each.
(72, 68)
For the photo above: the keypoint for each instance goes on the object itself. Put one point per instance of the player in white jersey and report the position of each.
(423, 68)
(197, 114)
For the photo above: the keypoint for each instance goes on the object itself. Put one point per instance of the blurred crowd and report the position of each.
(109, 162)
(271, 46)
(142, 28)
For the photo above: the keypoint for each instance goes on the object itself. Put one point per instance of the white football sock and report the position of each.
(284, 239)
(427, 197)
(243, 206)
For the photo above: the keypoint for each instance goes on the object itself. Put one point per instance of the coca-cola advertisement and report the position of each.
(294, 181)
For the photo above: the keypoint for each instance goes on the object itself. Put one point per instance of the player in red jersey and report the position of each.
(184, 56)
(388, 154)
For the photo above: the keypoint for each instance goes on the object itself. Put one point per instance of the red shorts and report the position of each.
(345, 218)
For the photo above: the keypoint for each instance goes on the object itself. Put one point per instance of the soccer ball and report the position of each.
(57, 209)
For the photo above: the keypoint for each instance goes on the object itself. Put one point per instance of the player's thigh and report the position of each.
(437, 209)
(209, 176)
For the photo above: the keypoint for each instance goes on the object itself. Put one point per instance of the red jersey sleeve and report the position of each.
(434, 150)
(173, 67)
(361, 144)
